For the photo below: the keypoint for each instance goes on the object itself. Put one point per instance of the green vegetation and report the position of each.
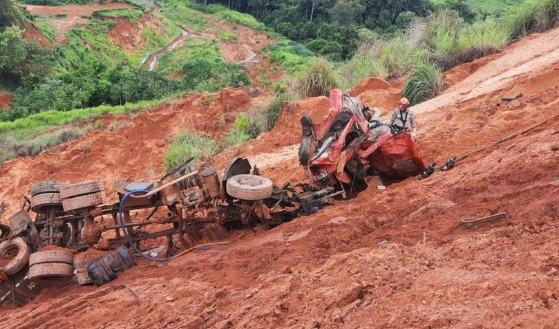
(56, 2)
(188, 145)
(21, 63)
(425, 82)
(33, 146)
(9, 14)
(23, 128)
(178, 11)
(534, 16)
(328, 27)
(267, 120)
(292, 56)
(232, 16)
(46, 28)
(444, 39)
(146, 4)
(318, 80)
(202, 67)
(479, 7)
(240, 133)
(132, 14)
(228, 36)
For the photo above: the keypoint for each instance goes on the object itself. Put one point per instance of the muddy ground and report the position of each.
(397, 258)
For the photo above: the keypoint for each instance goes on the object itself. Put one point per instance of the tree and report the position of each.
(9, 14)
(347, 12)
(20, 61)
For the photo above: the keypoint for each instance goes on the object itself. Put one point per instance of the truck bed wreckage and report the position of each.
(188, 207)
(185, 209)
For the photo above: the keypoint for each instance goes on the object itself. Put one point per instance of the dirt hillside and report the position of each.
(388, 259)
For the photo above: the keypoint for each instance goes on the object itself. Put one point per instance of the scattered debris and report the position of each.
(510, 99)
(471, 223)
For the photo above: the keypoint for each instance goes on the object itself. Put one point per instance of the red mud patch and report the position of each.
(5, 99)
(459, 73)
(377, 92)
(32, 34)
(129, 36)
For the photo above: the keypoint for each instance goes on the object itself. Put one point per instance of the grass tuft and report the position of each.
(318, 80)
(425, 82)
(188, 145)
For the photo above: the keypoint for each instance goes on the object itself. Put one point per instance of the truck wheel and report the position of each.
(45, 187)
(40, 203)
(19, 250)
(73, 190)
(51, 256)
(249, 187)
(45, 270)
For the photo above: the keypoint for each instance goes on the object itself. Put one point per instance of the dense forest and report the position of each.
(333, 28)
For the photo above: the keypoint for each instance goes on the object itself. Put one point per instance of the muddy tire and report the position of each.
(45, 187)
(40, 203)
(249, 187)
(4, 232)
(82, 202)
(46, 270)
(73, 190)
(51, 256)
(305, 151)
(306, 140)
(20, 249)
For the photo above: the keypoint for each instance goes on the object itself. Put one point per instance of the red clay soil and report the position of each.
(397, 258)
(5, 99)
(129, 36)
(32, 34)
(73, 15)
(459, 73)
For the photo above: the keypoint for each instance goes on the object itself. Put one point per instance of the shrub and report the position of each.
(188, 145)
(318, 80)
(228, 36)
(425, 82)
(241, 131)
(454, 42)
(273, 112)
(292, 56)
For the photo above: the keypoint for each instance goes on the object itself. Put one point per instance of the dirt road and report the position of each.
(388, 259)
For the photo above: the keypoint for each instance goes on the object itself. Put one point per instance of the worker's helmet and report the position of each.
(404, 102)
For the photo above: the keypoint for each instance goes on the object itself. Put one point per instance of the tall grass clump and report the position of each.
(318, 80)
(385, 58)
(425, 82)
(241, 131)
(31, 147)
(188, 145)
(533, 16)
(453, 42)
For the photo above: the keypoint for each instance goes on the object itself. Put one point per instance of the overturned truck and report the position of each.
(59, 221)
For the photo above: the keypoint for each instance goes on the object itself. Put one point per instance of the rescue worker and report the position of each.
(403, 118)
